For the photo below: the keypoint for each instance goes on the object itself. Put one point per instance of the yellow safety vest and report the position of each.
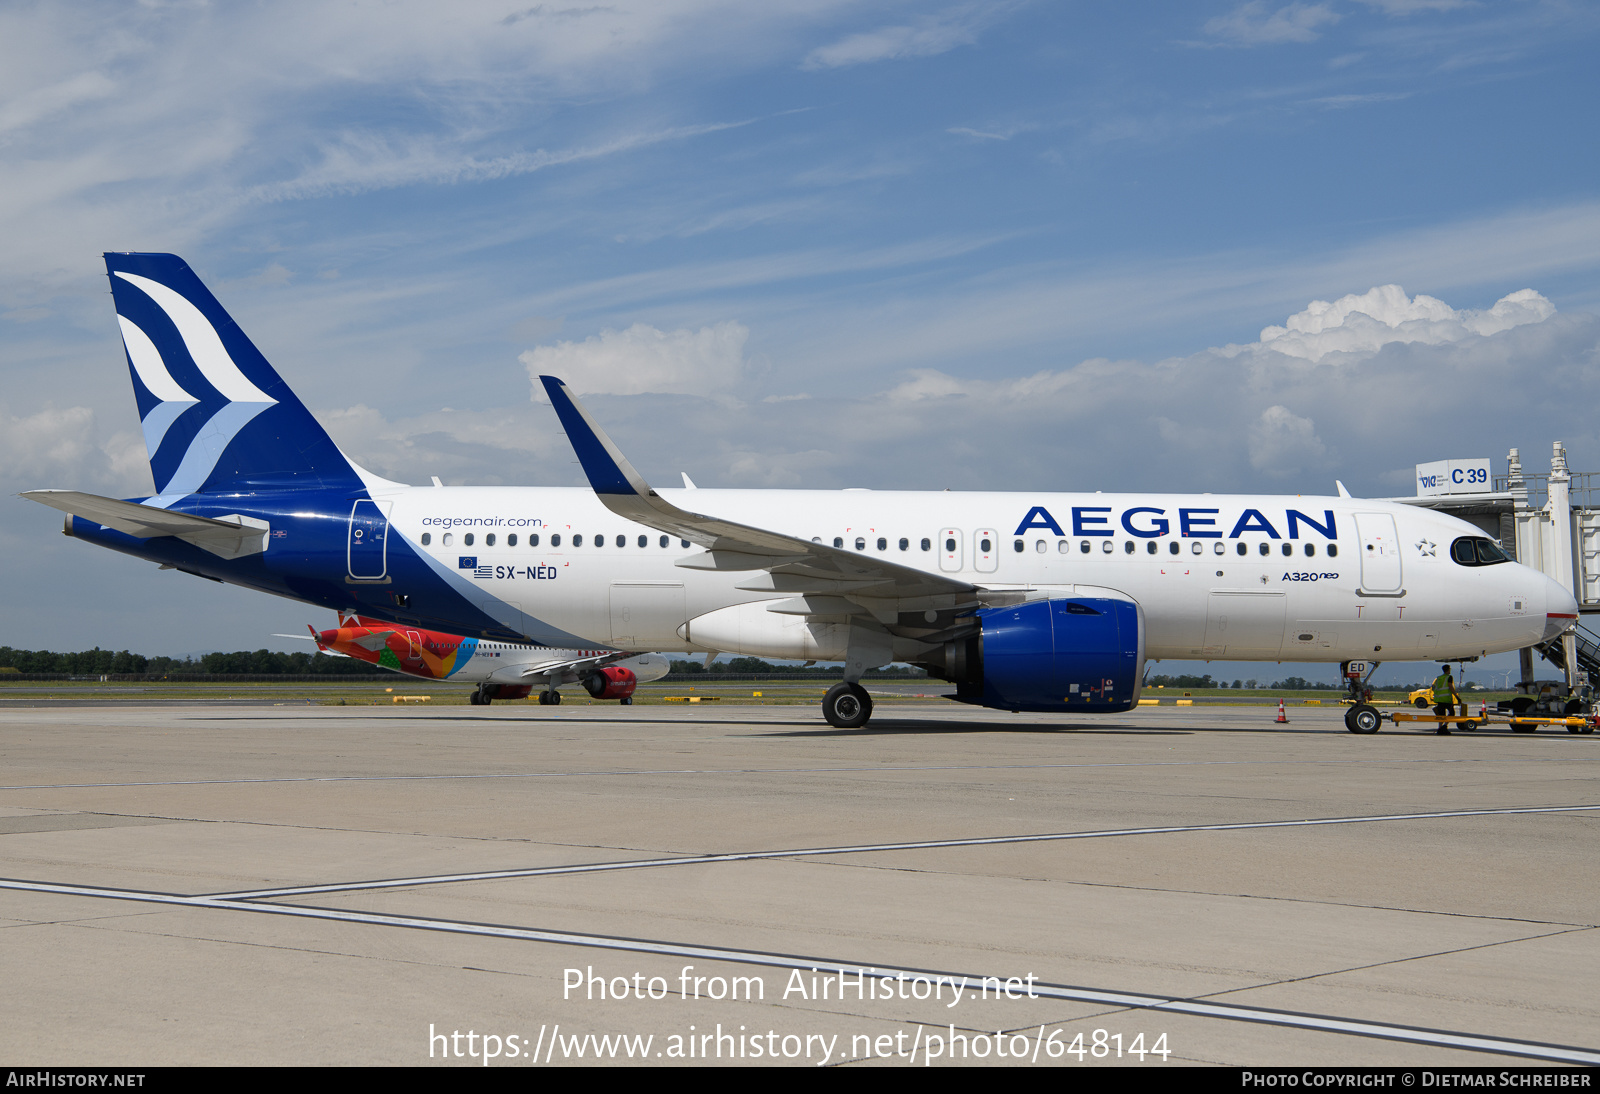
(1443, 691)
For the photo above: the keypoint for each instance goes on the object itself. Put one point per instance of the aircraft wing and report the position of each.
(824, 581)
(229, 537)
(560, 666)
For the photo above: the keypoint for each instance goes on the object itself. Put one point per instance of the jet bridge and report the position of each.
(1550, 522)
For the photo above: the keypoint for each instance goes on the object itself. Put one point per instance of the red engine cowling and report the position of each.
(507, 691)
(611, 682)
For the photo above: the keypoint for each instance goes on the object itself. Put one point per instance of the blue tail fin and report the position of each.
(216, 416)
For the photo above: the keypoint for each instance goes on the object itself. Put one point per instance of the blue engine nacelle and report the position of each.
(1071, 654)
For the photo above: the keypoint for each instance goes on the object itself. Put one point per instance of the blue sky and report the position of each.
(799, 244)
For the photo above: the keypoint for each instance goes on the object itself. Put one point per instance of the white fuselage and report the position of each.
(1361, 579)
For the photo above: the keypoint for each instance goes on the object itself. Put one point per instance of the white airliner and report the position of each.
(1025, 601)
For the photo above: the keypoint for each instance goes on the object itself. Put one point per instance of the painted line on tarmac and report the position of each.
(921, 845)
(802, 771)
(1569, 1054)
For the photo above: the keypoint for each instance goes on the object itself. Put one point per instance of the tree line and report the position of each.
(99, 662)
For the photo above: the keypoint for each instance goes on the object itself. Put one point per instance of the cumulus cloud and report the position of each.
(1364, 323)
(1256, 24)
(1283, 444)
(643, 359)
(59, 447)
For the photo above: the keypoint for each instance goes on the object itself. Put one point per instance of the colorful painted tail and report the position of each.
(216, 416)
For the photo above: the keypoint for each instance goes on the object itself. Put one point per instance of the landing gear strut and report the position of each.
(847, 706)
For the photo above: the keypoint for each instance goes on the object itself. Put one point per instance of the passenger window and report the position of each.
(1266, 548)
(511, 540)
(927, 545)
(1015, 546)
(488, 540)
(467, 539)
(1039, 546)
(555, 540)
(1127, 548)
(1288, 549)
(1150, 547)
(1196, 547)
(1173, 548)
(861, 543)
(1220, 548)
(1083, 546)
(1333, 550)
(533, 540)
(883, 544)
(685, 543)
(838, 541)
(905, 544)
(665, 540)
(1241, 549)
(622, 541)
(644, 541)
(599, 541)
(1311, 550)
(577, 540)
(1105, 546)
(985, 545)
(427, 538)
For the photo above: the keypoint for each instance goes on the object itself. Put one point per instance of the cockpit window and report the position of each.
(1477, 551)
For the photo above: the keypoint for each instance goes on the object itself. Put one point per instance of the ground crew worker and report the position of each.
(1445, 698)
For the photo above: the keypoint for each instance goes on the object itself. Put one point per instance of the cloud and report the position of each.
(1379, 316)
(1254, 24)
(640, 359)
(59, 447)
(927, 38)
(1411, 7)
(1283, 444)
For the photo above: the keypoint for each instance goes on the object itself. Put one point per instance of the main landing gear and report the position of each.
(551, 698)
(480, 698)
(847, 706)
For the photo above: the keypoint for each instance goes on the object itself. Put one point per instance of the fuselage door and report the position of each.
(950, 550)
(985, 551)
(415, 639)
(367, 554)
(1380, 552)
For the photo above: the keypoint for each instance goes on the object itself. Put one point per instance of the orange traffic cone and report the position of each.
(1283, 719)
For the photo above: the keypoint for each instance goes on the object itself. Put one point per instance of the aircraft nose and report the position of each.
(1561, 609)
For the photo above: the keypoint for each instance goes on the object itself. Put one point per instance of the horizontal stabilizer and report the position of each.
(231, 536)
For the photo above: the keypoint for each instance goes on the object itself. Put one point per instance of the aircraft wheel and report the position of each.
(475, 698)
(544, 698)
(866, 699)
(626, 700)
(847, 706)
(1362, 718)
(555, 697)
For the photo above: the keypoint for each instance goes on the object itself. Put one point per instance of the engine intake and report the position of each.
(611, 682)
(1070, 654)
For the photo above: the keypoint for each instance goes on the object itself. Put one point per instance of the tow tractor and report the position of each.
(1552, 705)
